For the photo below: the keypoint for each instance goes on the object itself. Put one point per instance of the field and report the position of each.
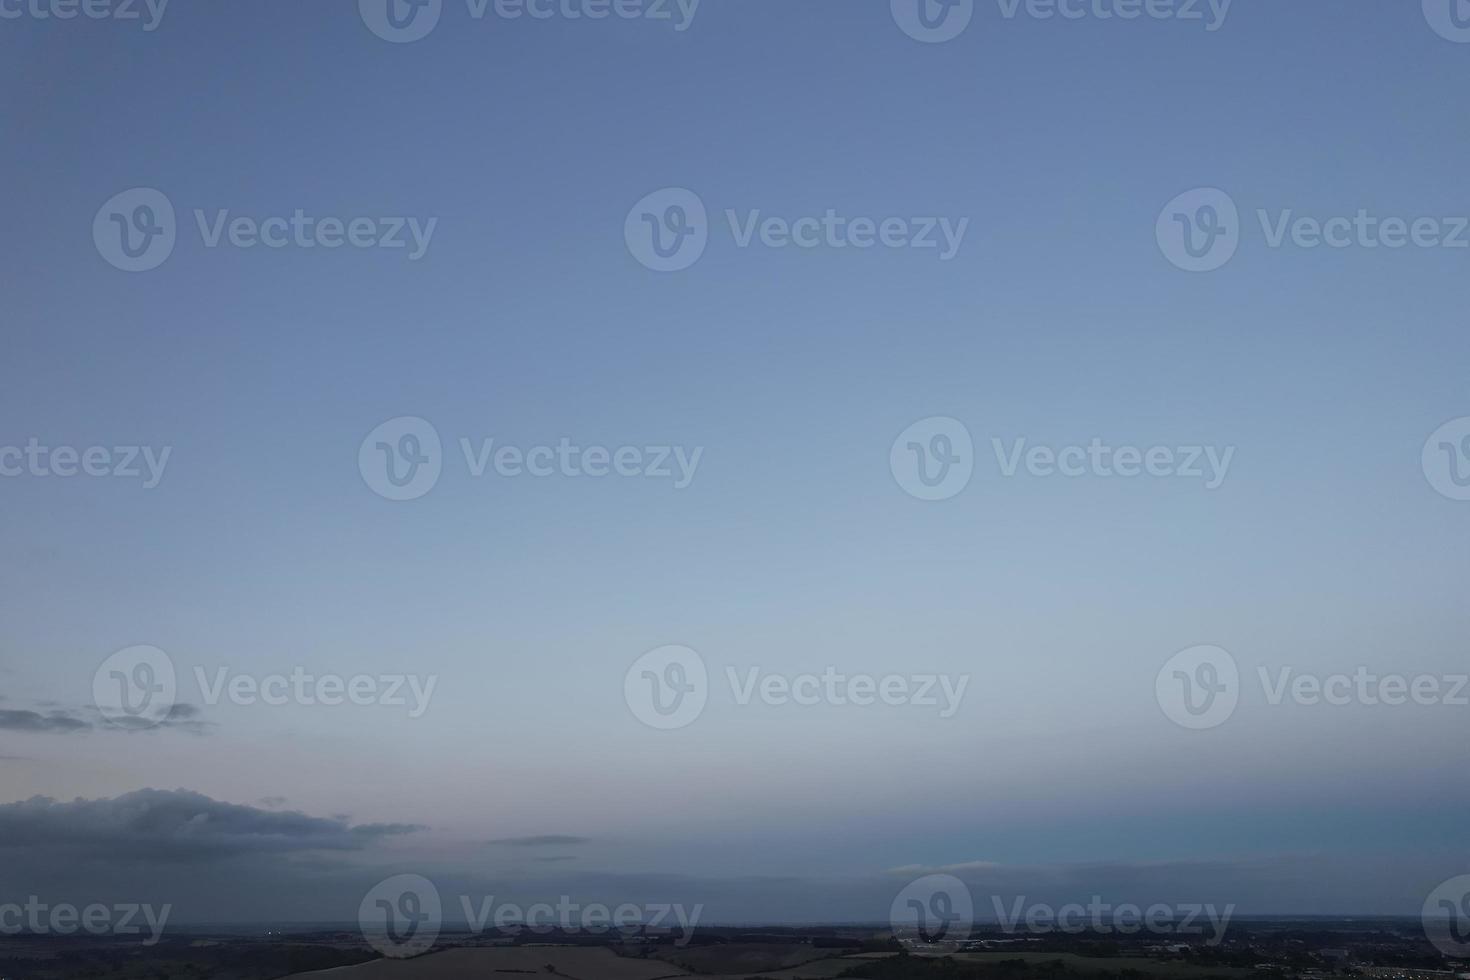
(1095, 964)
(573, 963)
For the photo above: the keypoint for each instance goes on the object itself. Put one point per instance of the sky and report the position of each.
(774, 400)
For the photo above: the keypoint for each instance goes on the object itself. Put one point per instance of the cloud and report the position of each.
(51, 723)
(545, 840)
(175, 825)
(386, 829)
(60, 720)
(184, 717)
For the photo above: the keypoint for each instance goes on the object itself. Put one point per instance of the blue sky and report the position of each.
(794, 549)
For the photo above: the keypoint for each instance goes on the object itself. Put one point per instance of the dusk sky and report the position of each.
(781, 532)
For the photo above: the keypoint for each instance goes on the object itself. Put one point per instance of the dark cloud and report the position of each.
(183, 717)
(56, 719)
(186, 717)
(52, 723)
(546, 840)
(386, 829)
(176, 825)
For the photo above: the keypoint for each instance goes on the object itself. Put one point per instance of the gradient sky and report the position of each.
(794, 549)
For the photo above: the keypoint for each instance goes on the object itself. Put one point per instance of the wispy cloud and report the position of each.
(50, 718)
(166, 825)
(51, 723)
